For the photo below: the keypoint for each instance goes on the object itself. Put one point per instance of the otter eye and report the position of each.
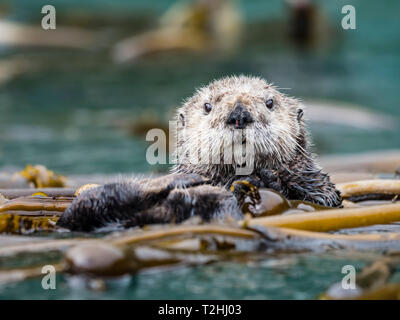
(207, 107)
(269, 103)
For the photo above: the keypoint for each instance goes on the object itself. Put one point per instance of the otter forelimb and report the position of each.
(310, 184)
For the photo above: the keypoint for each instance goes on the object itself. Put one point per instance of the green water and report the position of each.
(290, 277)
(66, 114)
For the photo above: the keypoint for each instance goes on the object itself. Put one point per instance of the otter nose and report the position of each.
(239, 117)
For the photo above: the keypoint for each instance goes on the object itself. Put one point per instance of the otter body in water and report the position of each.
(279, 155)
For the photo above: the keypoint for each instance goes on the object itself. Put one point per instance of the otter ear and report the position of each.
(182, 119)
(299, 114)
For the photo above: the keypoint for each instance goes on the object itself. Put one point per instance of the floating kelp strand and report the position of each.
(273, 235)
(370, 187)
(182, 230)
(115, 257)
(184, 244)
(17, 224)
(51, 192)
(212, 244)
(39, 194)
(278, 238)
(107, 259)
(36, 204)
(41, 177)
(376, 228)
(129, 238)
(333, 219)
(373, 196)
(284, 239)
(39, 213)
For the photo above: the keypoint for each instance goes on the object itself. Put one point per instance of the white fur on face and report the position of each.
(275, 131)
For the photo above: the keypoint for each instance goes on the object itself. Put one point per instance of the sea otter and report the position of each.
(279, 155)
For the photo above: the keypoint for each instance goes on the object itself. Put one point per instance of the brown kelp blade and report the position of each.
(333, 219)
(36, 204)
(30, 214)
(370, 189)
(19, 224)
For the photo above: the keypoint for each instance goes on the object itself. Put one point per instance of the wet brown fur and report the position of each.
(282, 161)
(282, 157)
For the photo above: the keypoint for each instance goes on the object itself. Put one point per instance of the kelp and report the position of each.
(333, 219)
(262, 237)
(271, 227)
(187, 230)
(377, 189)
(36, 203)
(134, 250)
(18, 224)
(34, 213)
(41, 177)
(103, 259)
(135, 237)
(11, 194)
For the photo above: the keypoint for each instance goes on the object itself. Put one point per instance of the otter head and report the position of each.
(248, 104)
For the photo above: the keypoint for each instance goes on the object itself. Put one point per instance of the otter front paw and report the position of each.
(331, 198)
(270, 180)
(242, 189)
(253, 180)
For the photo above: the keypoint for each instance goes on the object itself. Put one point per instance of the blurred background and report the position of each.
(80, 99)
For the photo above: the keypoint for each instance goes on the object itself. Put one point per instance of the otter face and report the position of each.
(246, 104)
